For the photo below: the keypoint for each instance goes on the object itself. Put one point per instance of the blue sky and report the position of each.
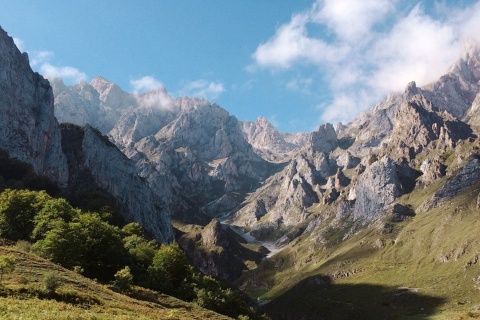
(298, 63)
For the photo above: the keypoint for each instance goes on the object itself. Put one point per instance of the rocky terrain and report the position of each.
(376, 204)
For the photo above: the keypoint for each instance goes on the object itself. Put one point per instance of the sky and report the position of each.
(298, 63)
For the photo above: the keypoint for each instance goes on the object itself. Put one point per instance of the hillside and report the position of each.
(22, 296)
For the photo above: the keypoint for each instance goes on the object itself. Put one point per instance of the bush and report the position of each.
(7, 265)
(123, 279)
(23, 246)
(51, 282)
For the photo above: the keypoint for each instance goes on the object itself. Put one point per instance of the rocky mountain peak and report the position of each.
(324, 139)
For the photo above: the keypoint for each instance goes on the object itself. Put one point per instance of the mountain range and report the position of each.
(377, 218)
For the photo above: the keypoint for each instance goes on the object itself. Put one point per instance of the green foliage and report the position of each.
(23, 245)
(211, 294)
(51, 282)
(53, 210)
(123, 279)
(170, 271)
(133, 228)
(87, 241)
(141, 250)
(63, 244)
(7, 265)
(17, 212)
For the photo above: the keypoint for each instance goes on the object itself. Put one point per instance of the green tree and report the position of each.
(141, 250)
(123, 279)
(86, 241)
(171, 271)
(17, 211)
(103, 245)
(64, 243)
(133, 228)
(53, 210)
(7, 265)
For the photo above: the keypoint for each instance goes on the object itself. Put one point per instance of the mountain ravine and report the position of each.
(374, 219)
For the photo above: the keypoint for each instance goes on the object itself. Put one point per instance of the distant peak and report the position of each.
(99, 79)
(263, 122)
(103, 85)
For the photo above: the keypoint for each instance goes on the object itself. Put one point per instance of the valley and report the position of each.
(374, 219)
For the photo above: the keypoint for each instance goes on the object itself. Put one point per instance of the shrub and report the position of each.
(123, 279)
(7, 265)
(23, 245)
(51, 282)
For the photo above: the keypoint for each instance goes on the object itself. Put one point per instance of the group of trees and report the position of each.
(86, 241)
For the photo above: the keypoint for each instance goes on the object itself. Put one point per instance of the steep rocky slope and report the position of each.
(28, 129)
(94, 161)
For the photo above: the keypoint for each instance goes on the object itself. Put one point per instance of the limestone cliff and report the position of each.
(92, 155)
(28, 129)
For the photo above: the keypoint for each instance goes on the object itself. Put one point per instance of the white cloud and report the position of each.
(351, 19)
(41, 61)
(368, 48)
(19, 43)
(202, 89)
(67, 74)
(40, 57)
(147, 83)
(291, 44)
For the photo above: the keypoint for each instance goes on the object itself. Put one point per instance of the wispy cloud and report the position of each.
(144, 84)
(300, 84)
(19, 43)
(202, 89)
(368, 48)
(41, 60)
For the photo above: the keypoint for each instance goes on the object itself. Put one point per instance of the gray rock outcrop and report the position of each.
(466, 177)
(377, 188)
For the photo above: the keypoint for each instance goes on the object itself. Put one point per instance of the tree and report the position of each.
(64, 243)
(7, 265)
(86, 241)
(123, 279)
(53, 210)
(171, 271)
(17, 211)
(103, 245)
(141, 250)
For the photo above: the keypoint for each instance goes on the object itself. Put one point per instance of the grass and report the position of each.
(427, 267)
(22, 296)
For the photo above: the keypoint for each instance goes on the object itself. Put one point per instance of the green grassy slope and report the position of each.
(22, 296)
(425, 268)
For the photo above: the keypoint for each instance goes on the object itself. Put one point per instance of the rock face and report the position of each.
(466, 177)
(418, 123)
(217, 251)
(270, 143)
(377, 188)
(28, 129)
(91, 154)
